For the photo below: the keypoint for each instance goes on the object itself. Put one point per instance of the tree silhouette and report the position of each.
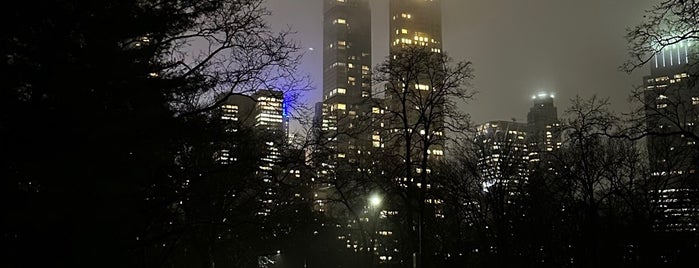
(101, 101)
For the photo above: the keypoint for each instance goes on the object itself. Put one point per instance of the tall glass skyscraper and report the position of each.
(672, 113)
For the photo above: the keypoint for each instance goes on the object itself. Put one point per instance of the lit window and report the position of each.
(422, 87)
(338, 64)
(340, 21)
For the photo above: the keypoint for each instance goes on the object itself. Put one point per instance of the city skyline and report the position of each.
(502, 39)
(181, 135)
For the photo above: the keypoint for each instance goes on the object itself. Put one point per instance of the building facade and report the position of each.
(415, 22)
(263, 113)
(503, 155)
(543, 127)
(671, 98)
(346, 76)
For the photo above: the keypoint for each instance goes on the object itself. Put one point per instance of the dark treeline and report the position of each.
(107, 132)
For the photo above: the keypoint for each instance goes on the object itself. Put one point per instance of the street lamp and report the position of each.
(375, 200)
(374, 203)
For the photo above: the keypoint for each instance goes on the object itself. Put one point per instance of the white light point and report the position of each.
(375, 200)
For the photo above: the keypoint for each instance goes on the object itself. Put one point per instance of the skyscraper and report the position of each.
(503, 154)
(671, 98)
(344, 135)
(543, 126)
(263, 113)
(346, 78)
(416, 22)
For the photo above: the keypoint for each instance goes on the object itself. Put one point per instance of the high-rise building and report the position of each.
(543, 127)
(342, 120)
(414, 105)
(672, 112)
(502, 154)
(265, 114)
(416, 22)
(238, 110)
(347, 50)
(346, 76)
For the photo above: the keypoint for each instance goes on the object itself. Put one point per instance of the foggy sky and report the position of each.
(518, 48)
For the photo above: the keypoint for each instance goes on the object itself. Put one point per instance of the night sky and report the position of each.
(568, 47)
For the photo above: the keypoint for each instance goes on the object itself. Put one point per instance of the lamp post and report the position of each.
(374, 203)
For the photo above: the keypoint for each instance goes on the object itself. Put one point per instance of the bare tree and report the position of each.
(421, 93)
(668, 23)
(229, 48)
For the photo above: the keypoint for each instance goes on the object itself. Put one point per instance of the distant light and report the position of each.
(311, 49)
(279, 252)
(552, 96)
(533, 97)
(542, 95)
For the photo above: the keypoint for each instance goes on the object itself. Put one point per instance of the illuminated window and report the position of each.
(695, 100)
(338, 64)
(405, 31)
(341, 106)
(341, 90)
(340, 21)
(422, 87)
